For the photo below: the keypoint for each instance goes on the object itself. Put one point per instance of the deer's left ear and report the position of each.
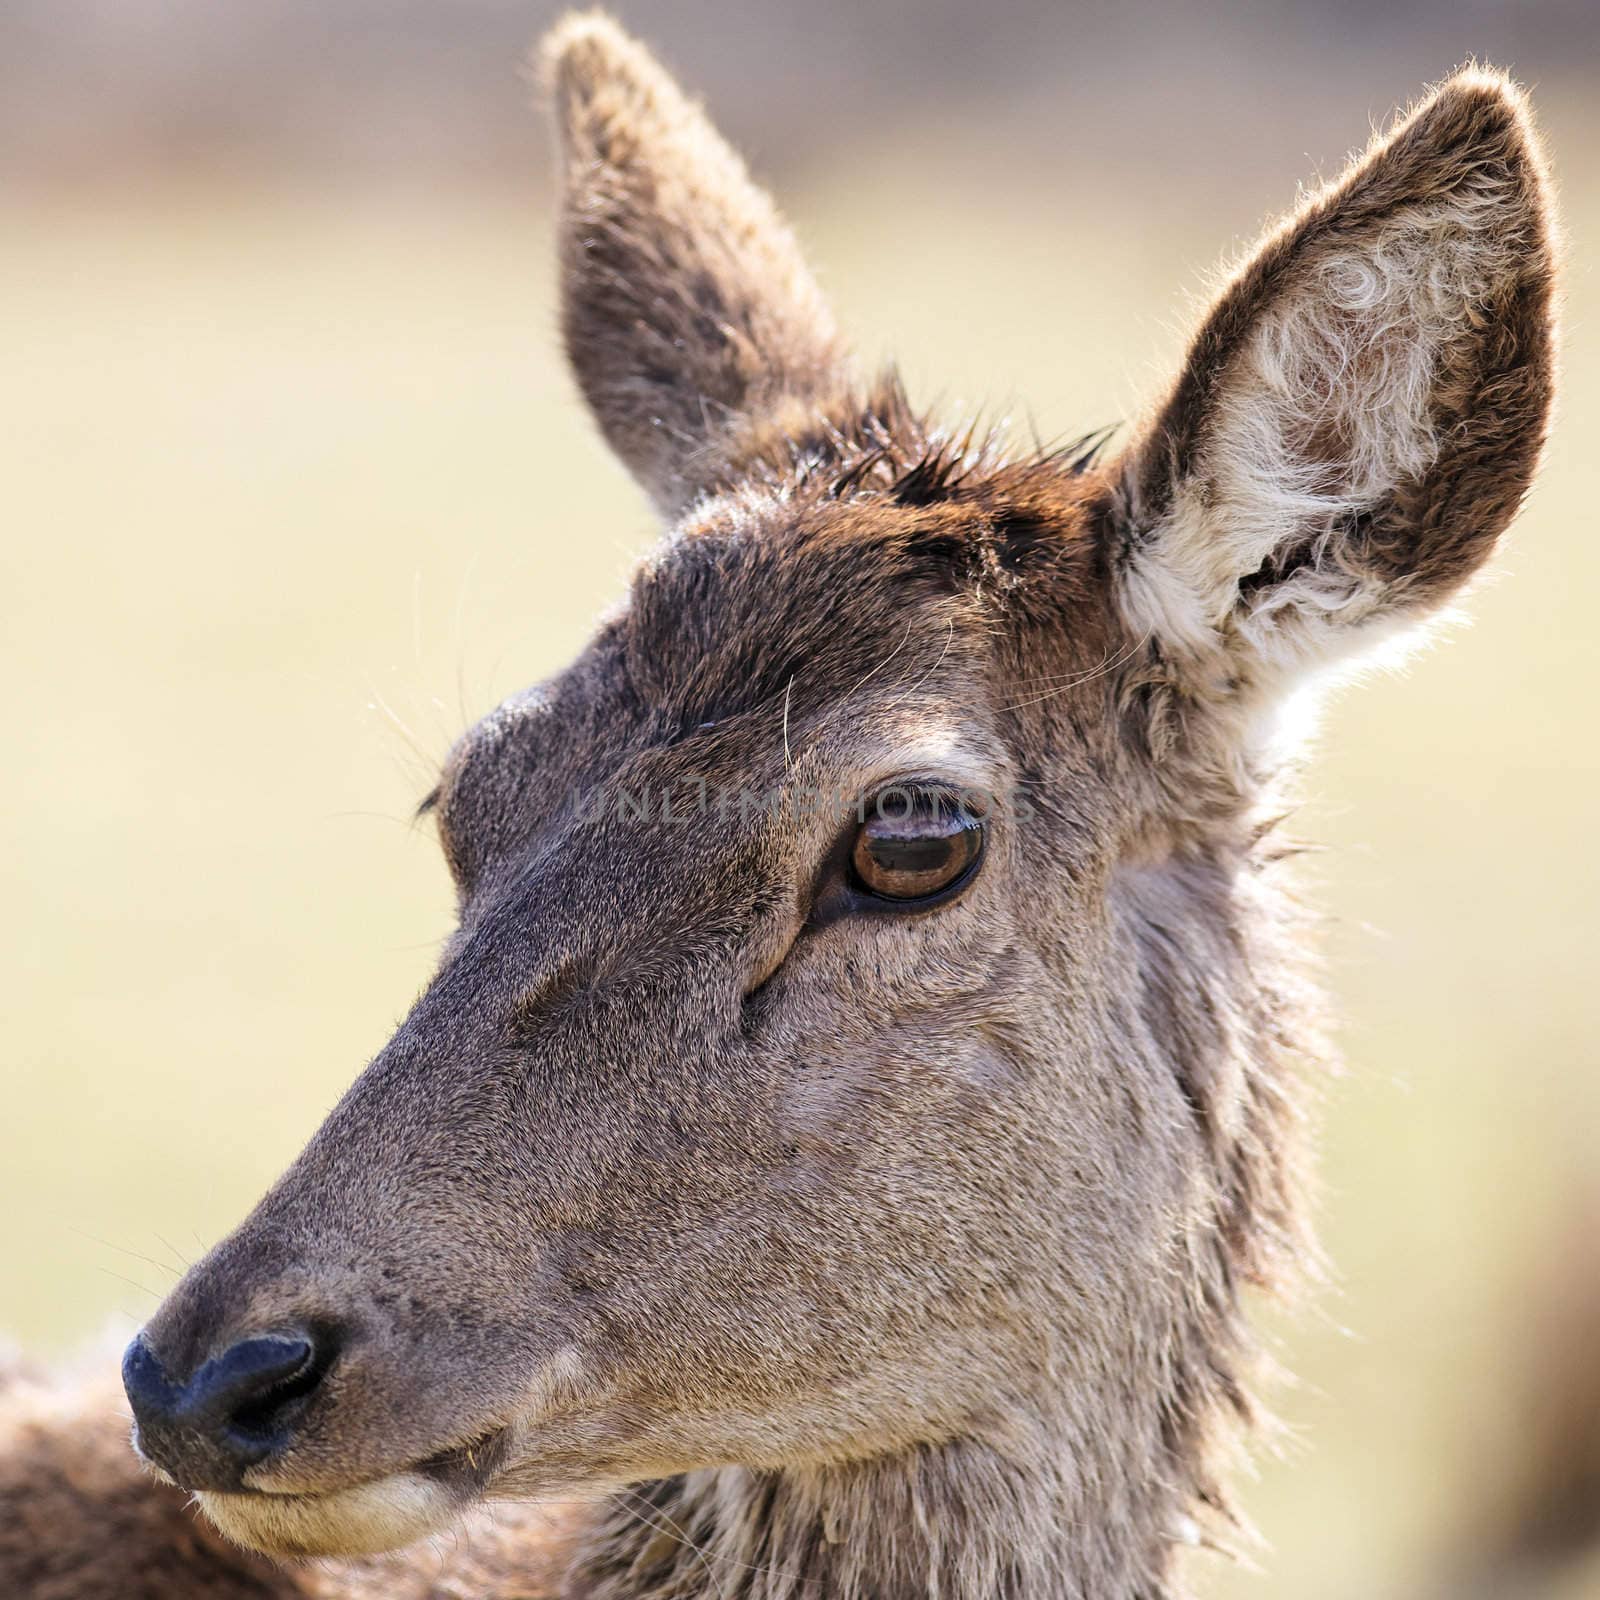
(690, 319)
(1361, 412)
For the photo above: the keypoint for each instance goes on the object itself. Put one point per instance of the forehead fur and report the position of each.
(782, 591)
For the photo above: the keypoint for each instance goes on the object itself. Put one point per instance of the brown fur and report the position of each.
(687, 308)
(845, 1250)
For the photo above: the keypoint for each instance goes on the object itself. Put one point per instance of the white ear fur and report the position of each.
(1362, 340)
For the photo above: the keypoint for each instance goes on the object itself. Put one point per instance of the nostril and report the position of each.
(252, 1387)
(265, 1398)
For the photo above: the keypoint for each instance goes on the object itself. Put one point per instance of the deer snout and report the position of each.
(233, 1411)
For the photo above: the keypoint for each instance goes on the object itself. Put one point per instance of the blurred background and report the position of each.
(294, 486)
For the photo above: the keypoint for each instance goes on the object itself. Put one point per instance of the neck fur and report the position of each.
(1018, 1519)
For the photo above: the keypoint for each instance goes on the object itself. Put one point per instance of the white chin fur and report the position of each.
(362, 1521)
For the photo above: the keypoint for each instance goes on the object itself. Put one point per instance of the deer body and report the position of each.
(840, 1197)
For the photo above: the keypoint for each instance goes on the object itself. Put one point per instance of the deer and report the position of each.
(856, 1190)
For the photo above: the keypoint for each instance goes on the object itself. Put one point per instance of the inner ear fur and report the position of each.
(689, 316)
(1362, 411)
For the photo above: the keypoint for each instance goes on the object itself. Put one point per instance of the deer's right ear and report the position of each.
(689, 317)
(1361, 412)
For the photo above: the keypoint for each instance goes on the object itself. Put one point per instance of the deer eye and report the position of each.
(916, 844)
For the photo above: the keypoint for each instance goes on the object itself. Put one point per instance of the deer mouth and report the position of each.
(467, 1468)
(363, 1518)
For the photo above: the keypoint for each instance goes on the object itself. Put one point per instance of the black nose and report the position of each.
(236, 1409)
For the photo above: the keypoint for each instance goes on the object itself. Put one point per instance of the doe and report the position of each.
(850, 1191)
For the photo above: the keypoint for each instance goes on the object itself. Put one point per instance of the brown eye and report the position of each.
(915, 844)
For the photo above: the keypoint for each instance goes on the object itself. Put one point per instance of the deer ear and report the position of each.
(1362, 410)
(688, 314)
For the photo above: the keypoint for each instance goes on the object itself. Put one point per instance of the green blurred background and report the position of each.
(293, 486)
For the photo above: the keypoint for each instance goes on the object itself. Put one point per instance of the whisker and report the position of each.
(764, 1570)
(867, 677)
(674, 1530)
(174, 1250)
(1106, 666)
(401, 726)
(949, 639)
(123, 1249)
(132, 1283)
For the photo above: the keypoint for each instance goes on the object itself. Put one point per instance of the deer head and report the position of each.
(869, 1063)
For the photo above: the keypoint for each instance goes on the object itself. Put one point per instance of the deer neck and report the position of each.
(1025, 1517)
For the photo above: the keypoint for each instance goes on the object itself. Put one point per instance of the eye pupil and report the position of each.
(910, 854)
(915, 848)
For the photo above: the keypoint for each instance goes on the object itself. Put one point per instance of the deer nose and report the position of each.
(235, 1410)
